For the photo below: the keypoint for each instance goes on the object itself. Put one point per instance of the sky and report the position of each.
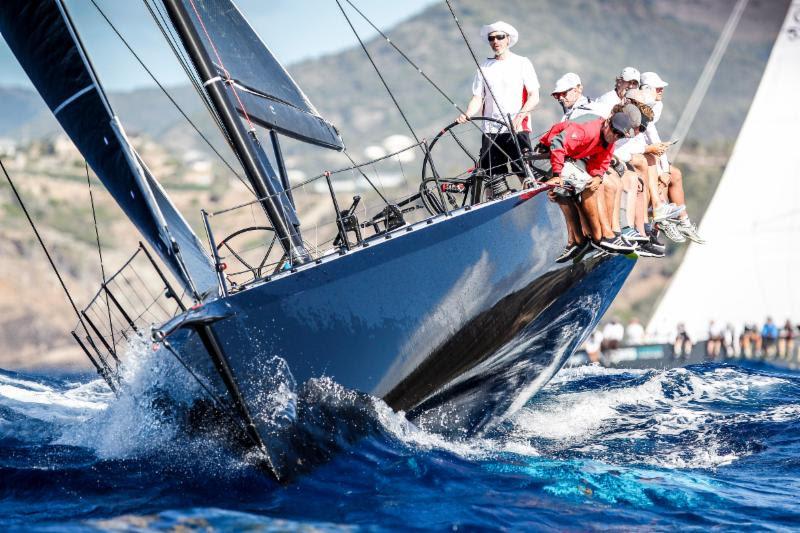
(286, 26)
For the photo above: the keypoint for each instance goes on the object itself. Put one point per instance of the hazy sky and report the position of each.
(292, 29)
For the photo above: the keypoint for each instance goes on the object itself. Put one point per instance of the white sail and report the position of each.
(750, 267)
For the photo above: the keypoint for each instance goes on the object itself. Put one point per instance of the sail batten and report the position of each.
(41, 36)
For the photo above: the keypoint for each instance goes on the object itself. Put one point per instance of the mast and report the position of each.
(245, 143)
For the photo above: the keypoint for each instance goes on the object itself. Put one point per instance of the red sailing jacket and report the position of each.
(579, 141)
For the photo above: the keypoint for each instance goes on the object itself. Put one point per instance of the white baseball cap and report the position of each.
(566, 82)
(629, 74)
(503, 27)
(653, 80)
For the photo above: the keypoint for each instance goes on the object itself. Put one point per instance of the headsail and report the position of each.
(268, 94)
(43, 39)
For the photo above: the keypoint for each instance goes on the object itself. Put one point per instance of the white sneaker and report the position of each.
(671, 231)
(688, 229)
(667, 211)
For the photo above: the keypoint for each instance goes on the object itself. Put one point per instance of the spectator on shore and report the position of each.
(729, 336)
(634, 333)
(714, 343)
(786, 341)
(750, 341)
(769, 337)
(682, 346)
(613, 333)
(593, 346)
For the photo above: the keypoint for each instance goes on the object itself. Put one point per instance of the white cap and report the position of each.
(651, 79)
(504, 27)
(566, 82)
(629, 74)
(646, 96)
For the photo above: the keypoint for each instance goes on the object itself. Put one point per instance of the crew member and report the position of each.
(505, 84)
(580, 154)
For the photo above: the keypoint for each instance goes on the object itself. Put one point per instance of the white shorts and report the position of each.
(573, 175)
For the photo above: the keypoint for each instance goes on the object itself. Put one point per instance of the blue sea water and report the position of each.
(708, 446)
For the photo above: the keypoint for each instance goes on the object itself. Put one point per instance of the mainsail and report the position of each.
(748, 268)
(43, 39)
(267, 93)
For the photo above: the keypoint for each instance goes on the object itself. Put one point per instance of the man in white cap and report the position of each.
(505, 84)
(568, 92)
(668, 174)
(627, 79)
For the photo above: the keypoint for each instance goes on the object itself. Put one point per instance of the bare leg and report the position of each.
(675, 189)
(641, 205)
(629, 183)
(592, 213)
(605, 221)
(645, 166)
(613, 193)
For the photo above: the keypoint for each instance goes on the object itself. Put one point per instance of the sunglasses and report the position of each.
(562, 94)
(618, 133)
(493, 38)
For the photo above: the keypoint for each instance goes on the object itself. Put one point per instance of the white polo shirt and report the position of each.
(510, 81)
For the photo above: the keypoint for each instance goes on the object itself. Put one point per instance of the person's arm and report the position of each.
(531, 102)
(474, 105)
(531, 85)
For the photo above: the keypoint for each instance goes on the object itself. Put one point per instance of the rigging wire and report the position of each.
(378, 72)
(55, 270)
(709, 70)
(99, 252)
(167, 31)
(169, 96)
(426, 77)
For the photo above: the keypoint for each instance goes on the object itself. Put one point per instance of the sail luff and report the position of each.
(46, 43)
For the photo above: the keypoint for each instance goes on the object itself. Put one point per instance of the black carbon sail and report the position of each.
(43, 39)
(267, 93)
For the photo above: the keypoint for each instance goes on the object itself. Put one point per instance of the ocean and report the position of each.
(707, 446)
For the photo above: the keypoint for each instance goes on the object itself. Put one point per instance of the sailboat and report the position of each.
(457, 319)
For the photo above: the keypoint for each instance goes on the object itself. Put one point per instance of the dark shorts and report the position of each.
(495, 155)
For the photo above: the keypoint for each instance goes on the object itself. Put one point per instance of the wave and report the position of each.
(669, 441)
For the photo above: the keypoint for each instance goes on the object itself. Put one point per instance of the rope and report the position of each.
(378, 72)
(99, 250)
(169, 96)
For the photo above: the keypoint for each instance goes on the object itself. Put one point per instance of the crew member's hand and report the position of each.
(517, 122)
(657, 149)
(555, 181)
(595, 183)
(462, 118)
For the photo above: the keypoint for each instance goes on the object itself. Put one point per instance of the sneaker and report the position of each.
(631, 235)
(688, 229)
(671, 231)
(614, 246)
(570, 251)
(583, 248)
(667, 211)
(649, 250)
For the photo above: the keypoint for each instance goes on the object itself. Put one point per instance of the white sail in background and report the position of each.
(750, 267)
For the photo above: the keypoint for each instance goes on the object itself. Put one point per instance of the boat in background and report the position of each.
(457, 318)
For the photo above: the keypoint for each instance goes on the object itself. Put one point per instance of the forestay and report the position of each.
(267, 93)
(43, 39)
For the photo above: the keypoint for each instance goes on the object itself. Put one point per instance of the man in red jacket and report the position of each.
(579, 155)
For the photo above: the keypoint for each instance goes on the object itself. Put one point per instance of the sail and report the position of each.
(267, 94)
(42, 38)
(748, 269)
